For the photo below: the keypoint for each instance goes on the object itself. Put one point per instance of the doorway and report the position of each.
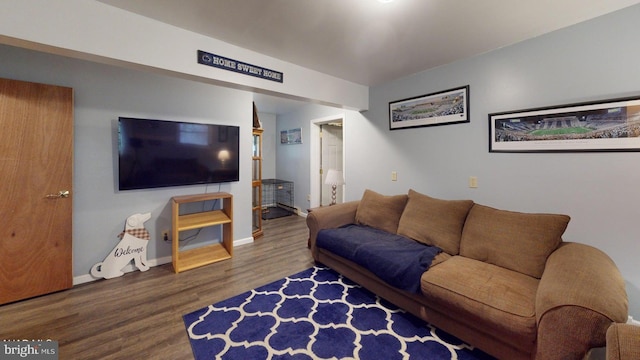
(327, 152)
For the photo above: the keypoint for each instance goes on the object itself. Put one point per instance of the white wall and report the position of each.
(102, 94)
(103, 33)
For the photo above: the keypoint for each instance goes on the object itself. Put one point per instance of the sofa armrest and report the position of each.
(623, 342)
(329, 217)
(580, 294)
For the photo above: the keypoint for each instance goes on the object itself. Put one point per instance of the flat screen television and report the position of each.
(160, 153)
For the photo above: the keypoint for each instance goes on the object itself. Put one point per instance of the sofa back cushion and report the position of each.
(434, 222)
(516, 241)
(380, 211)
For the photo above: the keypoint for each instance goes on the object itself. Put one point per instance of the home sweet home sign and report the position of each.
(225, 63)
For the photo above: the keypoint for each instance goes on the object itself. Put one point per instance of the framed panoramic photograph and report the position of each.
(611, 125)
(441, 108)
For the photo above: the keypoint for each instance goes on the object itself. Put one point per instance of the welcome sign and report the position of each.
(222, 62)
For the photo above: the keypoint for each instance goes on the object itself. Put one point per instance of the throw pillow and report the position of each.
(380, 211)
(434, 222)
(517, 241)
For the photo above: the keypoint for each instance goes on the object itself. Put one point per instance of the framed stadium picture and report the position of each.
(611, 125)
(291, 136)
(441, 108)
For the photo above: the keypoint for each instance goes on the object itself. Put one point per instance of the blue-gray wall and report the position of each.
(600, 191)
(594, 60)
(102, 93)
(589, 61)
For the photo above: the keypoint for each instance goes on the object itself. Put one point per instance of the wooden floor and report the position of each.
(139, 315)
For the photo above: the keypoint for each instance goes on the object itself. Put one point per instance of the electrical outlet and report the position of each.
(165, 235)
(394, 176)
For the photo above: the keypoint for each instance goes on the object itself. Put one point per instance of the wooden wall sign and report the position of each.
(222, 62)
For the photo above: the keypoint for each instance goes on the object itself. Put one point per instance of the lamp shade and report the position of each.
(334, 177)
(223, 155)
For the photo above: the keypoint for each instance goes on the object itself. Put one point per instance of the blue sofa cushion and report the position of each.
(397, 260)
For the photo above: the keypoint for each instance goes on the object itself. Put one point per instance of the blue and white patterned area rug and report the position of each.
(316, 314)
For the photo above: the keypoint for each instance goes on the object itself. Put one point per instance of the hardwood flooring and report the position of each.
(139, 315)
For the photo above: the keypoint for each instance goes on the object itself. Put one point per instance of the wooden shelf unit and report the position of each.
(207, 254)
(256, 184)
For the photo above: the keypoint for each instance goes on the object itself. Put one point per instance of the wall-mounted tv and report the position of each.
(160, 153)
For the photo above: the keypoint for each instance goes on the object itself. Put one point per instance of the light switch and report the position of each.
(394, 176)
(473, 182)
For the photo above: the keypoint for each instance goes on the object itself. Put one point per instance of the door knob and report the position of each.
(60, 194)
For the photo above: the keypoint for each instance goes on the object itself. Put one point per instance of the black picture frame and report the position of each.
(606, 125)
(439, 108)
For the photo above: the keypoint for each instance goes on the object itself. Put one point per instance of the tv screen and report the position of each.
(159, 153)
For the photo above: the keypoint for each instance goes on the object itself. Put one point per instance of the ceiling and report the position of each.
(368, 42)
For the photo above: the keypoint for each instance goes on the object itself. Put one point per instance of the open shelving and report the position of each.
(256, 184)
(207, 254)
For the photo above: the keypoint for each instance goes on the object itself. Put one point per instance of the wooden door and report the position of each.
(36, 166)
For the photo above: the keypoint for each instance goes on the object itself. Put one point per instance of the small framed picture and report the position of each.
(291, 137)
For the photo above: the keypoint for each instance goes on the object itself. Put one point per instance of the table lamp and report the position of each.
(334, 178)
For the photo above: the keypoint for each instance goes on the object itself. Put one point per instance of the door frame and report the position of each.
(314, 156)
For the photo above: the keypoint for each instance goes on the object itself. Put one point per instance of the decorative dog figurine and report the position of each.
(132, 246)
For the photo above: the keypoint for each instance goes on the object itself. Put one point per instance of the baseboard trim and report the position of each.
(633, 321)
(86, 278)
(244, 241)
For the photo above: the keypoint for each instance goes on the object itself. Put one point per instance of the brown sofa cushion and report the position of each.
(433, 221)
(516, 241)
(623, 342)
(501, 299)
(380, 211)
